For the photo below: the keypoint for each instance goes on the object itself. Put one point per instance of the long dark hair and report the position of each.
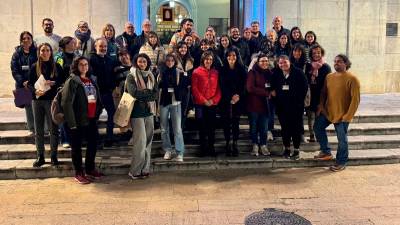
(239, 62)
(21, 36)
(39, 63)
(302, 59)
(143, 55)
(75, 64)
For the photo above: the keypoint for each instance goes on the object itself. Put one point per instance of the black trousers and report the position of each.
(230, 121)
(291, 127)
(206, 118)
(76, 136)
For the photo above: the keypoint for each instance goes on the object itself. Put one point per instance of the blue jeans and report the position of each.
(258, 128)
(63, 134)
(320, 125)
(271, 117)
(173, 112)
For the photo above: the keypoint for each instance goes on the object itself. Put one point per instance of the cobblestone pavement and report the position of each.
(364, 195)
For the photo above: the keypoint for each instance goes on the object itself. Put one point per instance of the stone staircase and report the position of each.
(374, 138)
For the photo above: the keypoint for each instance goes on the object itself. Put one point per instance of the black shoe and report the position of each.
(203, 151)
(108, 143)
(39, 162)
(211, 151)
(286, 153)
(235, 150)
(54, 161)
(296, 155)
(228, 149)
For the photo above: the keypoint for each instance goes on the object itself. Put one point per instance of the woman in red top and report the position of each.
(81, 106)
(206, 96)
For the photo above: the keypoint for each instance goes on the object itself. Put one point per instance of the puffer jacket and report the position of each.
(153, 53)
(21, 64)
(205, 86)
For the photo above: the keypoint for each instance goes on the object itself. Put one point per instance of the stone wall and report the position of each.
(16, 17)
(374, 56)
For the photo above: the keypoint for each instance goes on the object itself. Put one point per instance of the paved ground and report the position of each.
(357, 196)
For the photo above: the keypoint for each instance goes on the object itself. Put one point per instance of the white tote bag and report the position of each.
(123, 113)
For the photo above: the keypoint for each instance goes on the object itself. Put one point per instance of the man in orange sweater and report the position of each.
(339, 101)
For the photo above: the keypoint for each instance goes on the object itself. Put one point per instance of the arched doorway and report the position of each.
(168, 18)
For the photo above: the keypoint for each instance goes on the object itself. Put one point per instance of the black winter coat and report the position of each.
(292, 100)
(58, 78)
(103, 69)
(21, 64)
(232, 82)
(243, 50)
(317, 84)
(172, 78)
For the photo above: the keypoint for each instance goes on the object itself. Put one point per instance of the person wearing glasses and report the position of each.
(48, 36)
(85, 43)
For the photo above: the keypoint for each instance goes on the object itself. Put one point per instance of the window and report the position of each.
(219, 24)
(391, 29)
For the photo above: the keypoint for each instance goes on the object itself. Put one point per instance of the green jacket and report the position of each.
(74, 102)
(143, 97)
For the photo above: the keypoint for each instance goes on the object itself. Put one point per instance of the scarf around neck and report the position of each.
(138, 76)
(83, 37)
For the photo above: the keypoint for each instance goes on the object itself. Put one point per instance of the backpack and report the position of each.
(57, 114)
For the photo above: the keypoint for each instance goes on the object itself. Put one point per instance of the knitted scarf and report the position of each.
(138, 76)
(83, 37)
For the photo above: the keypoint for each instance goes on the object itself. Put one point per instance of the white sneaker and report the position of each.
(179, 158)
(168, 155)
(264, 150)
(66, 145)
(130, 141)
(270, 137)
(255, 150)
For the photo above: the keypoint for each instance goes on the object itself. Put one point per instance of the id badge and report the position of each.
(91, 98)
(185, 74)
(285, 87)
(267, 85)
(170, 90)
(25, 67)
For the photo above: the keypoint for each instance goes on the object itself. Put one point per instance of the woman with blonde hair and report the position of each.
(108, 32)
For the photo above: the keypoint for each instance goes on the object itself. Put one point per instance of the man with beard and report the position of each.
(186, 29)
(102, 67)
(277, 26)
(85, 43)
(256, 37)
(48, 37)
(126, 40)
(339, 101)
(241, 44)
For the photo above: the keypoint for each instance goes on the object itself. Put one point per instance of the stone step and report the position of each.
(22, 169)
(191, 136)
(393, 118)
(28, 151)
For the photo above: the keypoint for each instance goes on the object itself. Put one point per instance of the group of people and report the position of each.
(230, 76)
